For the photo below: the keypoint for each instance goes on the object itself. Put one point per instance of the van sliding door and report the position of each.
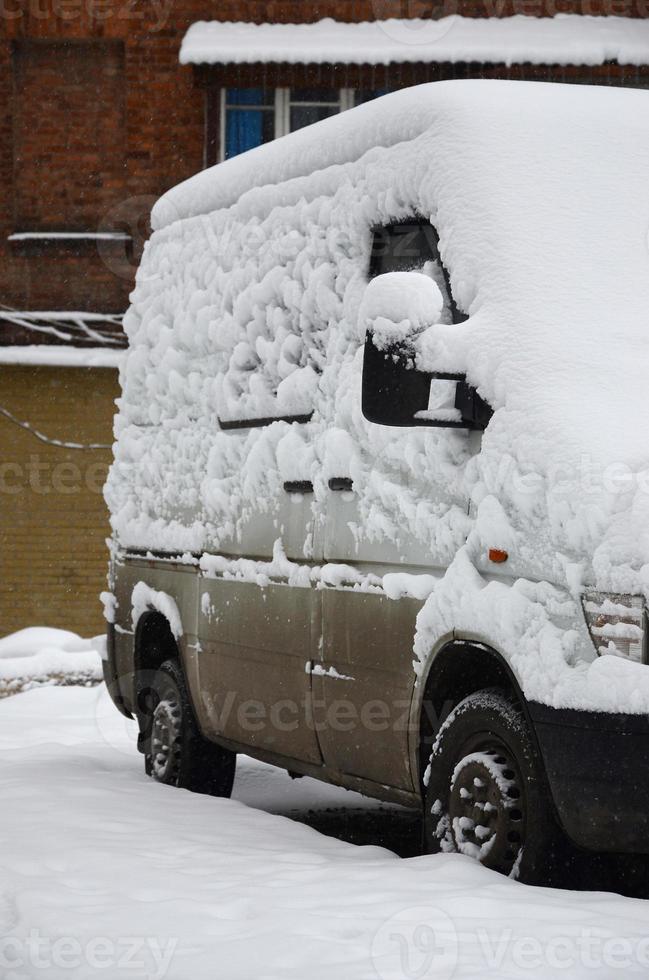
(257, 631)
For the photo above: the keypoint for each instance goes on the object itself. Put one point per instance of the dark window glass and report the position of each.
(307, 114)
(366, 95)
(315, 95)
(413, 246)
(403, 247)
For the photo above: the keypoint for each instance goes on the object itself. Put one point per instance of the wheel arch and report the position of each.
(457, 668)
(153, 644)
(154, 641)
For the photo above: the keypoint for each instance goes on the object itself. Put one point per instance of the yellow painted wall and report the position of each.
(53, 519)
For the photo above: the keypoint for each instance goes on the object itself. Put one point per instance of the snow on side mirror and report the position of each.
(395, 310)
(398, 306)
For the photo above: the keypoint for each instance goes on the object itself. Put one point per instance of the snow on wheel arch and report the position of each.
(144, 599)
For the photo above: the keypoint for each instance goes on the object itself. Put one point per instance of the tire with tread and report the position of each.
(175, 751)
(486, 793)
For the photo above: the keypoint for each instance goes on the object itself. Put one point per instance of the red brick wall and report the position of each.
(68, 109)
(92, 132)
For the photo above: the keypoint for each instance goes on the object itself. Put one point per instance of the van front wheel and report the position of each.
(486, 793)
(176, 753)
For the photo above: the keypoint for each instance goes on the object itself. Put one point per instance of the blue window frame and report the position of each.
(252, 116)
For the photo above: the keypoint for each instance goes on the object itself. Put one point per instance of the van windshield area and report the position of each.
(413, 246)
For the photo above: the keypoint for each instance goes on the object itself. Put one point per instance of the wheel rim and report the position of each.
(487, 806)
(166, 734)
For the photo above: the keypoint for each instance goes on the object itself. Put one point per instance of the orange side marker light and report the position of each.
(497, 555)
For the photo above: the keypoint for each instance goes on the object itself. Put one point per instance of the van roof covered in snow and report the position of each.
(471, 112)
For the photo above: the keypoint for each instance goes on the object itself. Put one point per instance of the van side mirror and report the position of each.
(396, 308)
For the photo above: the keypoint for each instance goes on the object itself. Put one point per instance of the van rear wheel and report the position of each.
(487, 795)
(175, 751)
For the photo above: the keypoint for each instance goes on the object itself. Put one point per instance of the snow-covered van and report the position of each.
(380, 496)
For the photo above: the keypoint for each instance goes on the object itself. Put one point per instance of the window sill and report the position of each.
(76, 244)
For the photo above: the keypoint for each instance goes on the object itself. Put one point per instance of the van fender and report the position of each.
(458, 664)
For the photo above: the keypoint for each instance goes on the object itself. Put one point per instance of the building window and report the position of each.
(310, 105)
(248, 119)
(252, 116)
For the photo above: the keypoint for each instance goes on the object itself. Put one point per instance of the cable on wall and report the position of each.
(61, 443)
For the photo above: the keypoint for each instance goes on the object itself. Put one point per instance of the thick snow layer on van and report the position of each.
(567, 39)
(250, 310)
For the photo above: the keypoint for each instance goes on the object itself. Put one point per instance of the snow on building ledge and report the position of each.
(50, 236)
(84, 339)
(61, 355)
(567, 39)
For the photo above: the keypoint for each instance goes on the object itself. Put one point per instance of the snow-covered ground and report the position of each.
(40, 655)
(105, 873)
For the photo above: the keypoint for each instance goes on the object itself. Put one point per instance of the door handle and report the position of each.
(298, 486)
(341, 483)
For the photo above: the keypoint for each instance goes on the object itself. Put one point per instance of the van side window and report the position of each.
(413, 246)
